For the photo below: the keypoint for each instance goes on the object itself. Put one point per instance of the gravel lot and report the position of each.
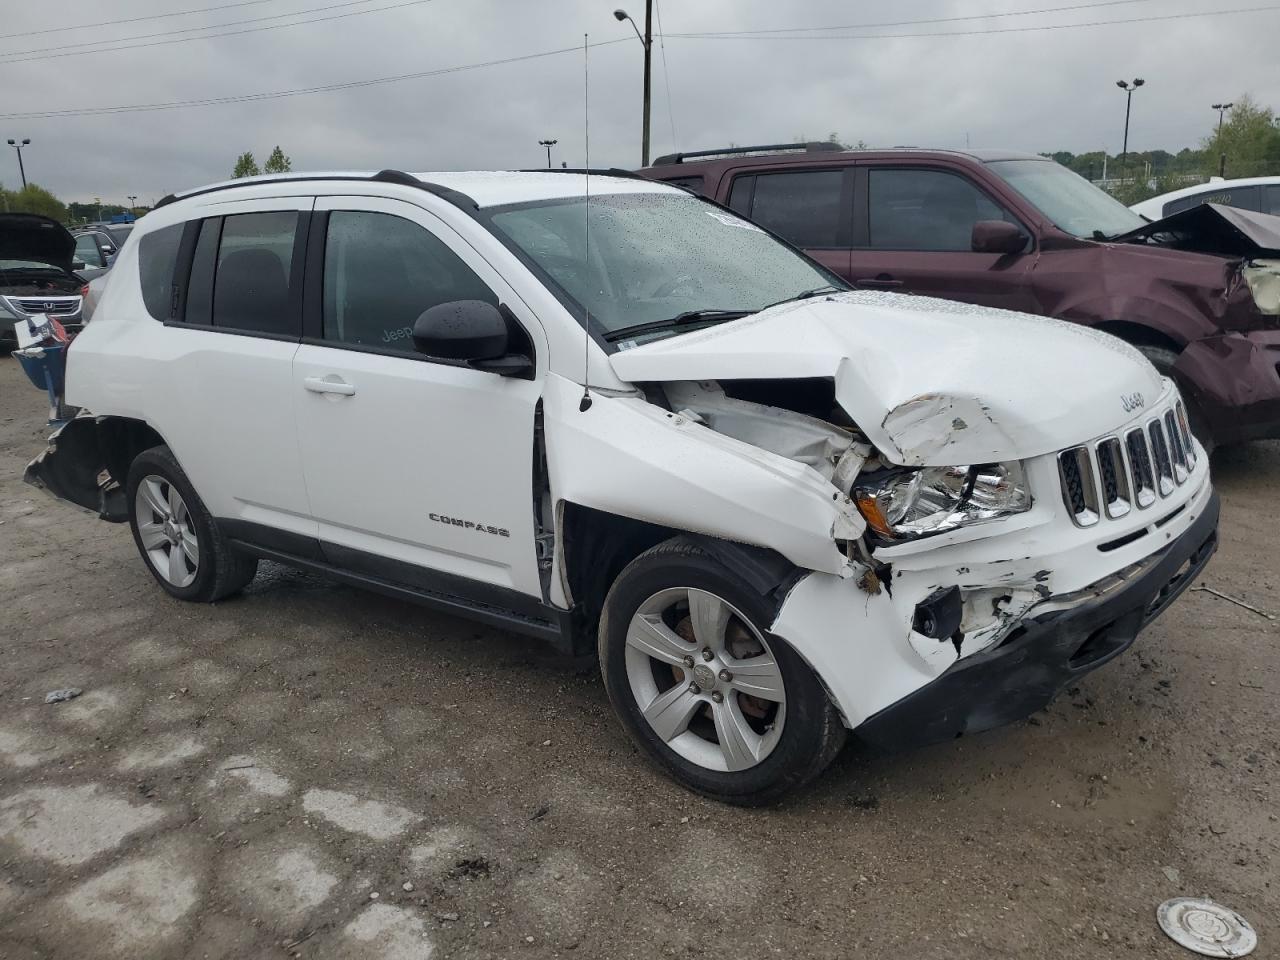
(312, 771)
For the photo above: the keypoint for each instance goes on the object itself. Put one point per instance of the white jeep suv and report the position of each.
(781, 509)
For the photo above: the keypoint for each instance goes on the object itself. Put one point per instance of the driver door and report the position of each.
(419, 471)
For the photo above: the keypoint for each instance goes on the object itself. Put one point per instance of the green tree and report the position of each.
(277, 162)
(245, 166)
(33, 199)
(1249, 140)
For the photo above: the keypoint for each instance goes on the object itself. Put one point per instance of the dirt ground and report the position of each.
(312, 771)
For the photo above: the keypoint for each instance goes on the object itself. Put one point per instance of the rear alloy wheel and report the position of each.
(182, 545)
(702, 686)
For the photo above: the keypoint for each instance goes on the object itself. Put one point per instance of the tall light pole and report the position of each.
(133, 203)
(1124, 153)
(548, 144)
(1221, 108)
(646, 40)
(18, 145)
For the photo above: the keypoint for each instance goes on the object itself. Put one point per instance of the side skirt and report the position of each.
(484, 603)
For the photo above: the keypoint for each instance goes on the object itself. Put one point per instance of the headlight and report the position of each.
(1263, 278)
(916, 503)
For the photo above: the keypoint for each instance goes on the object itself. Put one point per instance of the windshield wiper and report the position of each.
(679, 320)
(805, 295)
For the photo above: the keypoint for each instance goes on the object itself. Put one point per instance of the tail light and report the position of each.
(84, 291)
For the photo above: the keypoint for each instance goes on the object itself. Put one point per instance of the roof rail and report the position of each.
(594, 171)
(813, 146)
(457, 198)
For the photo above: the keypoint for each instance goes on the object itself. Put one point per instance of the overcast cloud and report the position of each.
(1029, 91)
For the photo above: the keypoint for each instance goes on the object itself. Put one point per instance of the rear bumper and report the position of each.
(1235, 380)
(1030, 667)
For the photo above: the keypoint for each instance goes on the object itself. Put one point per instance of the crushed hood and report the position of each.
(929, 382)
(28, 236)
(1213, 228)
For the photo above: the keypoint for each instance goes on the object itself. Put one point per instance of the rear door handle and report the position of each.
(882, 282)
(330, 384)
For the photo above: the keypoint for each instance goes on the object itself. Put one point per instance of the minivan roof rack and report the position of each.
(813, 146)
(457, 198)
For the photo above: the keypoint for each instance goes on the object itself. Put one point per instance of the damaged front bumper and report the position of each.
(1033, 663)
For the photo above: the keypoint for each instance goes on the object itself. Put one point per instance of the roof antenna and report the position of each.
(585, 403)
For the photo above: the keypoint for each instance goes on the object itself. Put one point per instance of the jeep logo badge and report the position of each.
(1132, 402)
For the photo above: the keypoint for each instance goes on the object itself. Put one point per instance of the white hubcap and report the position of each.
(705, 679)
(165, 529)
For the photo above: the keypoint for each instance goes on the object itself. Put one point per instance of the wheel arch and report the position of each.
(87, 462)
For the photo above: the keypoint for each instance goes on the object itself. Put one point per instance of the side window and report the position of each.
(802, 207)
(1271, 199)
(157, 260)
(381, 272)
(740, 195)
(925, 210)
(1246, 198)
(251, 278)
(688, 183)
(87, 250)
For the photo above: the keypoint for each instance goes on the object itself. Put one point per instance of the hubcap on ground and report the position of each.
(165, 528)
(705, 679)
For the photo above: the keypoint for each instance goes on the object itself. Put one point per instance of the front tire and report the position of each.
(726, 708)
(1163, 359)
(177, 537)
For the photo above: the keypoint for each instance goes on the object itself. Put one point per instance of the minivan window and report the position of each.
(251, 281)
(1068, 199)
(1245, 198)
(917, 209)
(157, 260)
(381, 272)
(653, 257)
(802, 207)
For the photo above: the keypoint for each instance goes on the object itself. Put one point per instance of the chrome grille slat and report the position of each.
(1107, 479)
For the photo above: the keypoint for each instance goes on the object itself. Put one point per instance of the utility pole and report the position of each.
(646, 40)
(548, 144)
(1221, 108)
(1124, 153)
(18, 145)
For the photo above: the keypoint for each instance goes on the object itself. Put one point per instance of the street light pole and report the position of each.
(1221, 108)
(1124, 153)
(548, 144)
(646, 40)
(18, 145)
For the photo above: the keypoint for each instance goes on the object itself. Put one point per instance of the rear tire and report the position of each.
(178, 539)
(671, 606)
(1163, 359)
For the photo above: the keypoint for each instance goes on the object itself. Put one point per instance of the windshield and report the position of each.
(1068, 199)
(655, 257)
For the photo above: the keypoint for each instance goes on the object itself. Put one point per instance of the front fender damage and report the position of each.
(74, 468)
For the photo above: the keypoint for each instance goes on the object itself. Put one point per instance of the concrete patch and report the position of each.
(376, 820)
(26, 748)
(69, 825)
(384, 932)
(134, 909)
(163, 751)
(255, 776)
(96, 708)
(440, 848)
(284, 881)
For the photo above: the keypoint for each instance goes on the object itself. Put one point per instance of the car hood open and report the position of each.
(929, 382)
(29, 236)
(1213, 228)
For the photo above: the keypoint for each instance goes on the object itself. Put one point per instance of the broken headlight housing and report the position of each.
(908, 504)
(1263, 278)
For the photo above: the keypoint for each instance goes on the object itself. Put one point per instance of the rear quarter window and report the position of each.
(689, 183)
(157, 260)
(1246, 198)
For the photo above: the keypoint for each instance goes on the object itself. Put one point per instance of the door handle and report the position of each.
(882, 282)
(327, 385)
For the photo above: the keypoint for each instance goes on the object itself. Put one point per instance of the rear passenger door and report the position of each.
(419, 469)
(227, 405)
(812, 209)
(914, 234)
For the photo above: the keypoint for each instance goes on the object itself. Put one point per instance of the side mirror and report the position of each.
(79, 265)
(998, 236)
(472, 331)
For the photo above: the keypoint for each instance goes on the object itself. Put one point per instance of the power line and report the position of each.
(152, 16)
(666, 75)
(912, 23)
(302, 91)
(974, 33)
(49, 53)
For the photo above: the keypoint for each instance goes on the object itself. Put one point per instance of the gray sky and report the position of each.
(1033, 90)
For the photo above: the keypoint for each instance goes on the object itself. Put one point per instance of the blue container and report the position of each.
(47, 372)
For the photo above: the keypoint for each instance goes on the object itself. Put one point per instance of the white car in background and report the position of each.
(779, 509)
(1258, 194)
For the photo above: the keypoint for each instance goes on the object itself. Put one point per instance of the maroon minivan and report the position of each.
(1195, 292)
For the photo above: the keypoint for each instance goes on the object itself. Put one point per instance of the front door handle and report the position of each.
(329, 384)
(882, 282)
